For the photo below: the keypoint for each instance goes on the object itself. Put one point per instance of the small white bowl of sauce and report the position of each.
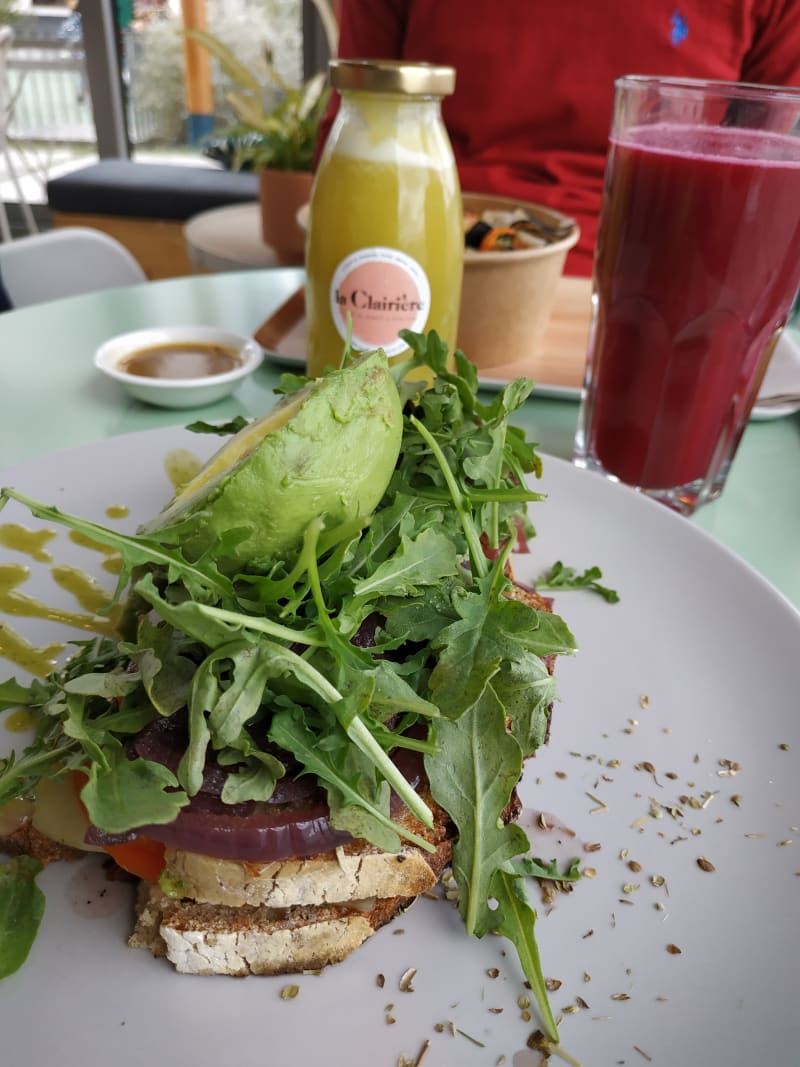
(179, 366)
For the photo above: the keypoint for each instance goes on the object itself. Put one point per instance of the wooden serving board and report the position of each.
(561, 360)
(559, 364)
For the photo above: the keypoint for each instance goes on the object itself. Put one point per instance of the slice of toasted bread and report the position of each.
(331, 878)
(355, 871)
(219, 938)
(213, 939)
(287, 916)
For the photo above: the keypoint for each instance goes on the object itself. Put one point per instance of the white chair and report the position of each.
(64, 262)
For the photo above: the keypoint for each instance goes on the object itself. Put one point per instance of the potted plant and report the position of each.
(277, 143)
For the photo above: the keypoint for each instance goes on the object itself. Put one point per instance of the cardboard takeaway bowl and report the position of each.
(507, 297)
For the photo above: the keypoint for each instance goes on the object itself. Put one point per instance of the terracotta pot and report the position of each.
(282, 193)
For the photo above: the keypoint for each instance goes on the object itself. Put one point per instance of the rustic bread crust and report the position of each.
(208, 939)
(528, 596)
(26, 840)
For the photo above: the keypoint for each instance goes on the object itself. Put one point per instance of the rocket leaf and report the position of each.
(21, 910)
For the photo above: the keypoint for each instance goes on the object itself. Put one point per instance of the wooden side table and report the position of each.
(227, 238)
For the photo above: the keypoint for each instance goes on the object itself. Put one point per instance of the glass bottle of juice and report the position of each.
(385, 242)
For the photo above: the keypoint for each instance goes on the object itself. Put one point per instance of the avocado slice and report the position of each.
(327, 450)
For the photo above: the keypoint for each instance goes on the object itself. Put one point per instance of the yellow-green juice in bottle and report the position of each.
(385, 241)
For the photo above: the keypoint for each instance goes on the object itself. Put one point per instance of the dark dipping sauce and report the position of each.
(181, 359)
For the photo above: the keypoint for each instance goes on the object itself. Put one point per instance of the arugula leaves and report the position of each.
(219, 429)
(560, 577)
(118, 784)
(276, 656)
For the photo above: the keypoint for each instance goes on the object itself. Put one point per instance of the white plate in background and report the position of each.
(783, 376)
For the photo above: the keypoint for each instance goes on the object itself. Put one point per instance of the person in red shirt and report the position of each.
(531, 112)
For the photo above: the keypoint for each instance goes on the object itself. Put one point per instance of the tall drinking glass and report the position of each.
(696, 269)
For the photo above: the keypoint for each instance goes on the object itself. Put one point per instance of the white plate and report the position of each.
(711, 645)
(783, 376)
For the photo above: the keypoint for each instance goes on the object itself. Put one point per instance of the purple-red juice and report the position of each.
(698, 262)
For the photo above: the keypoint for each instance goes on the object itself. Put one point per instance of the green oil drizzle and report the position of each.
(20, 721)
(181, 466)
(39, 661)
(31, 542)
(88, 593)
(117, 511)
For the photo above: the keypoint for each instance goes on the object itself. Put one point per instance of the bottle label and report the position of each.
(382, 291)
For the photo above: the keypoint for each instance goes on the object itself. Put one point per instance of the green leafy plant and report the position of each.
(9, 14)
(283, 138)
(155, 55)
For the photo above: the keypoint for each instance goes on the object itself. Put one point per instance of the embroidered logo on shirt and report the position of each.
(680, 31)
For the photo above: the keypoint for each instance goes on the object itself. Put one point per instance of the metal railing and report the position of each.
(48, 87)
(49, 95)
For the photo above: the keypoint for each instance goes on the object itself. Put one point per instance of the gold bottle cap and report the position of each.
(392, 76)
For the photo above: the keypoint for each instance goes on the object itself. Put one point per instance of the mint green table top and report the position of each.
(52, 398)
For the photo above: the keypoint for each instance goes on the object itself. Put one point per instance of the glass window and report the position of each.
(51, 120)
(153, 64)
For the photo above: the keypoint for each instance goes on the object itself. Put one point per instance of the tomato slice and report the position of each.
(142, 857)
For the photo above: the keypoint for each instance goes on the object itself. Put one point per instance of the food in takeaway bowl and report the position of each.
(510, 281)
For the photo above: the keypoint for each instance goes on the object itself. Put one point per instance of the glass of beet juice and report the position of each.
(696, 269)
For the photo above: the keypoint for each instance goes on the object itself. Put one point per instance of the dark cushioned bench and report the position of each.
(144, 205)
(148, 190)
